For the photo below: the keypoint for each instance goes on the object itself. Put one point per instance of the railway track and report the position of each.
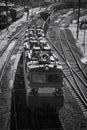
(50, 122)
(13, 43)
(73, 71)
(15, 36)
(72, 57)
(19, 37)
(76, 58)
(4, 88)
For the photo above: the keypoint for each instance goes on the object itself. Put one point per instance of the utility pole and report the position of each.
(84, 40)
(85, 22)
(79, 3)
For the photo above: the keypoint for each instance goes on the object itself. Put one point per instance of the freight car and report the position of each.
(43, 75)
(4, 18)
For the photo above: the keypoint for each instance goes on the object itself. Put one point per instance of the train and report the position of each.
(9, 14)
(43, 74)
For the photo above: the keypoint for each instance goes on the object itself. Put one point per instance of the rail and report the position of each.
(75, 83)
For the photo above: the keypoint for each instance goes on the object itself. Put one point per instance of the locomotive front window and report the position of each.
(38, 78)
(54, 78)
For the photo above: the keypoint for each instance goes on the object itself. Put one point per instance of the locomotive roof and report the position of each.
(40, 67)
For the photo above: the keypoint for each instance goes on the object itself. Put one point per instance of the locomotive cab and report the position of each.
(44, 84)
(45, 76)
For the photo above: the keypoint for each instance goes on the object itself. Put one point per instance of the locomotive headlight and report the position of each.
(58, 92)
(46, 68)
(34, 91)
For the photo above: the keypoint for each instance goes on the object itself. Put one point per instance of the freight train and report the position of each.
(43, 74)
(9, 13)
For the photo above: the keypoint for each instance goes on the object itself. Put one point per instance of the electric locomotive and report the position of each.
(43, 77)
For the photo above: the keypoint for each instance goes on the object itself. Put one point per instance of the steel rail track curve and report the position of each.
(70, 47)
(12, 38)
(75, 58)
(77, 91)
(78, 64)
(8, 57)
(18, 37)
(83, 99)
